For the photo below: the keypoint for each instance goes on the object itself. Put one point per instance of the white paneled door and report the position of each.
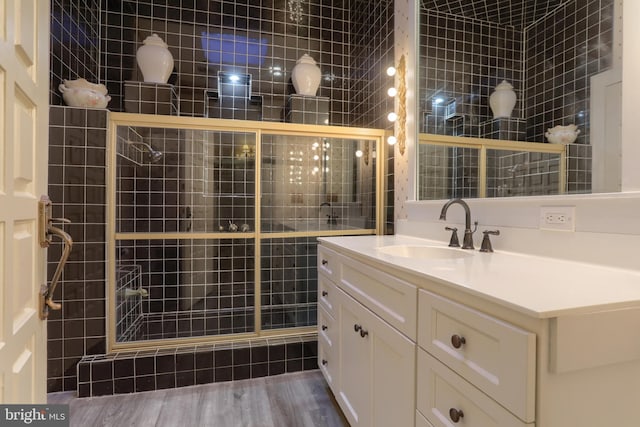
(24, 118)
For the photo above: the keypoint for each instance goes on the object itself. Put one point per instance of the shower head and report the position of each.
(154, 156)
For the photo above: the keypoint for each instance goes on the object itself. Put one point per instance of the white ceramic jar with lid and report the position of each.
(502, 100)
(155, 60)
(305, 76)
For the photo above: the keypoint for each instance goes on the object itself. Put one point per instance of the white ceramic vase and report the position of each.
(502, 100)
(305, 76)
(155, 60)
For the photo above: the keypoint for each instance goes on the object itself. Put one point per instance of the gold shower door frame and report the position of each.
(485, 144)
(224, 125)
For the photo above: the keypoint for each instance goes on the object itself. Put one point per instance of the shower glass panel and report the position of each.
(446, 172)
(181, 288)
(204, 180)
(522, 173)
(313, 184)
(200, 182)
(213, 224)
(289, 282)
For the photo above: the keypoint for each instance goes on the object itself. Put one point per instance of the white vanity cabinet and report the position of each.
(475, 342)
(473, 366)
(368, 362)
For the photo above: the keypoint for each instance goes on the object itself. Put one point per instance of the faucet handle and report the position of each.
(453, 242)
(486, 242)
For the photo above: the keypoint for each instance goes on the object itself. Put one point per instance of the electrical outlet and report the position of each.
(557, 218)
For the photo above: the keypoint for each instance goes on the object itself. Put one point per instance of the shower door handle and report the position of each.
(46, 231)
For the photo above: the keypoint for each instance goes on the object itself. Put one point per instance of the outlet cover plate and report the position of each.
(558, 218)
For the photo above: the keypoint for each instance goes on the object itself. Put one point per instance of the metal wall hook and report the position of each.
(46, 232)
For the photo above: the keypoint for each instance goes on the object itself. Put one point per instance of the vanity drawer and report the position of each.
(327, 328)
(327, 340)
(327, 294)
(421, 421)
(390, 298)
(443, 395)
(328, 262)
(495, 356)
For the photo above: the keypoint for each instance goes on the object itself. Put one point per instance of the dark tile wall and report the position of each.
(563, 51)
(128, 372)
(277, 38)
(77, 188)
(372, 52)
(74, 43)
(461, 62)
(150, 98)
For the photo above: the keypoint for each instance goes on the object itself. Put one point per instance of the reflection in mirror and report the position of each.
(452, 167)
(548, 51)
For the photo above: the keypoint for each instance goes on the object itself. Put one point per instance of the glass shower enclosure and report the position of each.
(213, 223)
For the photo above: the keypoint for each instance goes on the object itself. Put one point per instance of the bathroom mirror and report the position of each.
(556, 55)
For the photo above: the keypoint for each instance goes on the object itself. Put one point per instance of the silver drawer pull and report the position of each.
(455, 414)
(457, 341)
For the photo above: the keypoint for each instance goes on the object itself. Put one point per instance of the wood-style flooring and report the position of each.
(292, 400)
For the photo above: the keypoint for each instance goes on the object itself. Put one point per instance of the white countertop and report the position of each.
(536, 286)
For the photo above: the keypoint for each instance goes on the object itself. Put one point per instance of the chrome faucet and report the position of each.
(467, 242)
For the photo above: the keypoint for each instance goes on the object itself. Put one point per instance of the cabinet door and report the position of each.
(393, 375)
(355, 362)
(377, 362)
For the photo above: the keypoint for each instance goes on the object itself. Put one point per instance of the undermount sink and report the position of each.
(423, 252)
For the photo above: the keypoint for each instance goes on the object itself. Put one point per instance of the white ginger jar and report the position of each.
(502, 100)
(155, 60)
(305, 76)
